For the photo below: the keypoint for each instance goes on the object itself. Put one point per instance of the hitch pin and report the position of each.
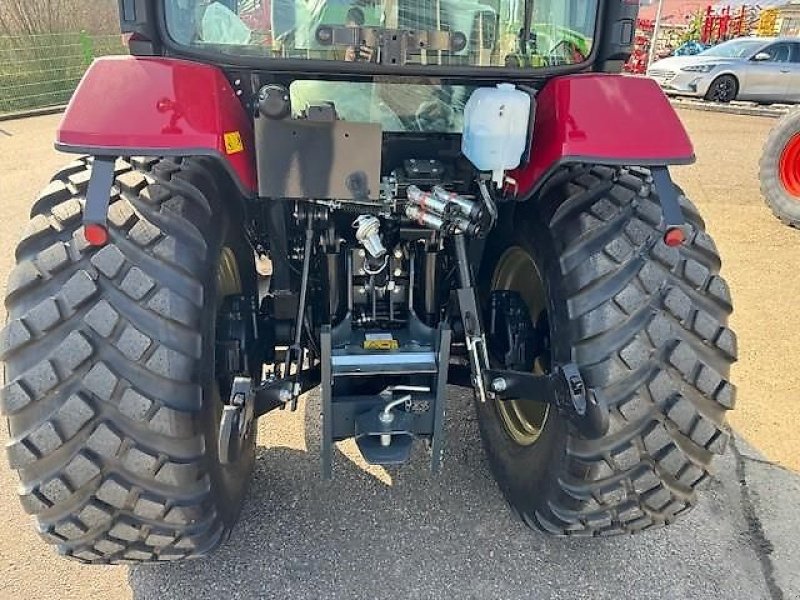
(386, 416)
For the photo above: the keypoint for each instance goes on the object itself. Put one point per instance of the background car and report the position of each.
(757, 69)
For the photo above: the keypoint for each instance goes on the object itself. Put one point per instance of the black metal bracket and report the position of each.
(237, 420)
(277, 393)
(395, 44)
(668, 197)
(98, 196)
(471, 319)
(562, 388)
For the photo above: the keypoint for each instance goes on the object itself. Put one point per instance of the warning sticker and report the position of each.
(233, 142)
(380, 341)
(381, 345)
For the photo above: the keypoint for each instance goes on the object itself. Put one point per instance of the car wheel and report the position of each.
(723, 89)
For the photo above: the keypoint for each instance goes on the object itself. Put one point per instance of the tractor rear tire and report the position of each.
(112, 405)
(647, 326)
(780, 169)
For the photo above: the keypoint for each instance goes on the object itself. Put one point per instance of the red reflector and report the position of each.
(674, 236)
(95, 234)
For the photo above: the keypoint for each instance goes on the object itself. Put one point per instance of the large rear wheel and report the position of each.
(111, 395)
(780, 169)
(647, 326)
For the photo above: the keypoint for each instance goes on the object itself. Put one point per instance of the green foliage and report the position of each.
(693, 29)
(44, 69)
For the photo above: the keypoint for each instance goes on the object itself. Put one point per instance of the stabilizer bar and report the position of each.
(562, 388)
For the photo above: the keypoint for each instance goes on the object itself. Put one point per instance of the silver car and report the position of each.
(756, 69)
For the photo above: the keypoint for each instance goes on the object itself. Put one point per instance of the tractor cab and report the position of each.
(407, 65)
(465, 33)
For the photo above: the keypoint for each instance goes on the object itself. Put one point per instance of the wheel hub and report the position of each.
(789, 167)
(723, 90)
(524, 419)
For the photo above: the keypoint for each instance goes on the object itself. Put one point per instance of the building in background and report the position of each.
(789, 18)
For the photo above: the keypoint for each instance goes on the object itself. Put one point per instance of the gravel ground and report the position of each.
(400, 534)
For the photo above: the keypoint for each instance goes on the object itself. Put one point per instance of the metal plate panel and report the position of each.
(322, 160)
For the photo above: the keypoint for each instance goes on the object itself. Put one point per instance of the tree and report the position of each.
(693, 27)
(31, 17)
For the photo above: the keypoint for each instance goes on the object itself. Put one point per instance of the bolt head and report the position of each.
(499, 385)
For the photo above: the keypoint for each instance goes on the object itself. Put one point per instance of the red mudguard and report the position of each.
(159, 107)
(602, 119)
(163, 106)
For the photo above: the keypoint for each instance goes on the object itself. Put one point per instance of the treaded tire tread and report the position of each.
(647, 325)
(782, 205)
(102, 352)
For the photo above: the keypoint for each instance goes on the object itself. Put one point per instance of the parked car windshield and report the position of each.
(734, 49)
(464, 33)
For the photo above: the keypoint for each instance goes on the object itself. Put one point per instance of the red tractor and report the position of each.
(780, 169)
(456, 192)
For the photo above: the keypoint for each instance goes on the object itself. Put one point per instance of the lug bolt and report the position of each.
(499, 385)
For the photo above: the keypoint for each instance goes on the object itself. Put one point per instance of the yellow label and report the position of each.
(233, 142)
(381, 345)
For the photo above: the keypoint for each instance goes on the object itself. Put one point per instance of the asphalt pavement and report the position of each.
(375, 533)
(453, 537)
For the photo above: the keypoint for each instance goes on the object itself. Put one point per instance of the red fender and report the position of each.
(159, 107)
(602, 119)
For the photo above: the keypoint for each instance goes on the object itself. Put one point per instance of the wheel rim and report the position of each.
(523, 420)
(229, 283)
(789, 167)
(723, 90)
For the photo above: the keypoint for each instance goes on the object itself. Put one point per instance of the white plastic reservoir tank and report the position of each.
(496, 128)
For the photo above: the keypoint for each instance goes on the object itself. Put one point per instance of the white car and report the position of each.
(756, 69)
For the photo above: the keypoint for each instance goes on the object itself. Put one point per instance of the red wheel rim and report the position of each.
(789, 167)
